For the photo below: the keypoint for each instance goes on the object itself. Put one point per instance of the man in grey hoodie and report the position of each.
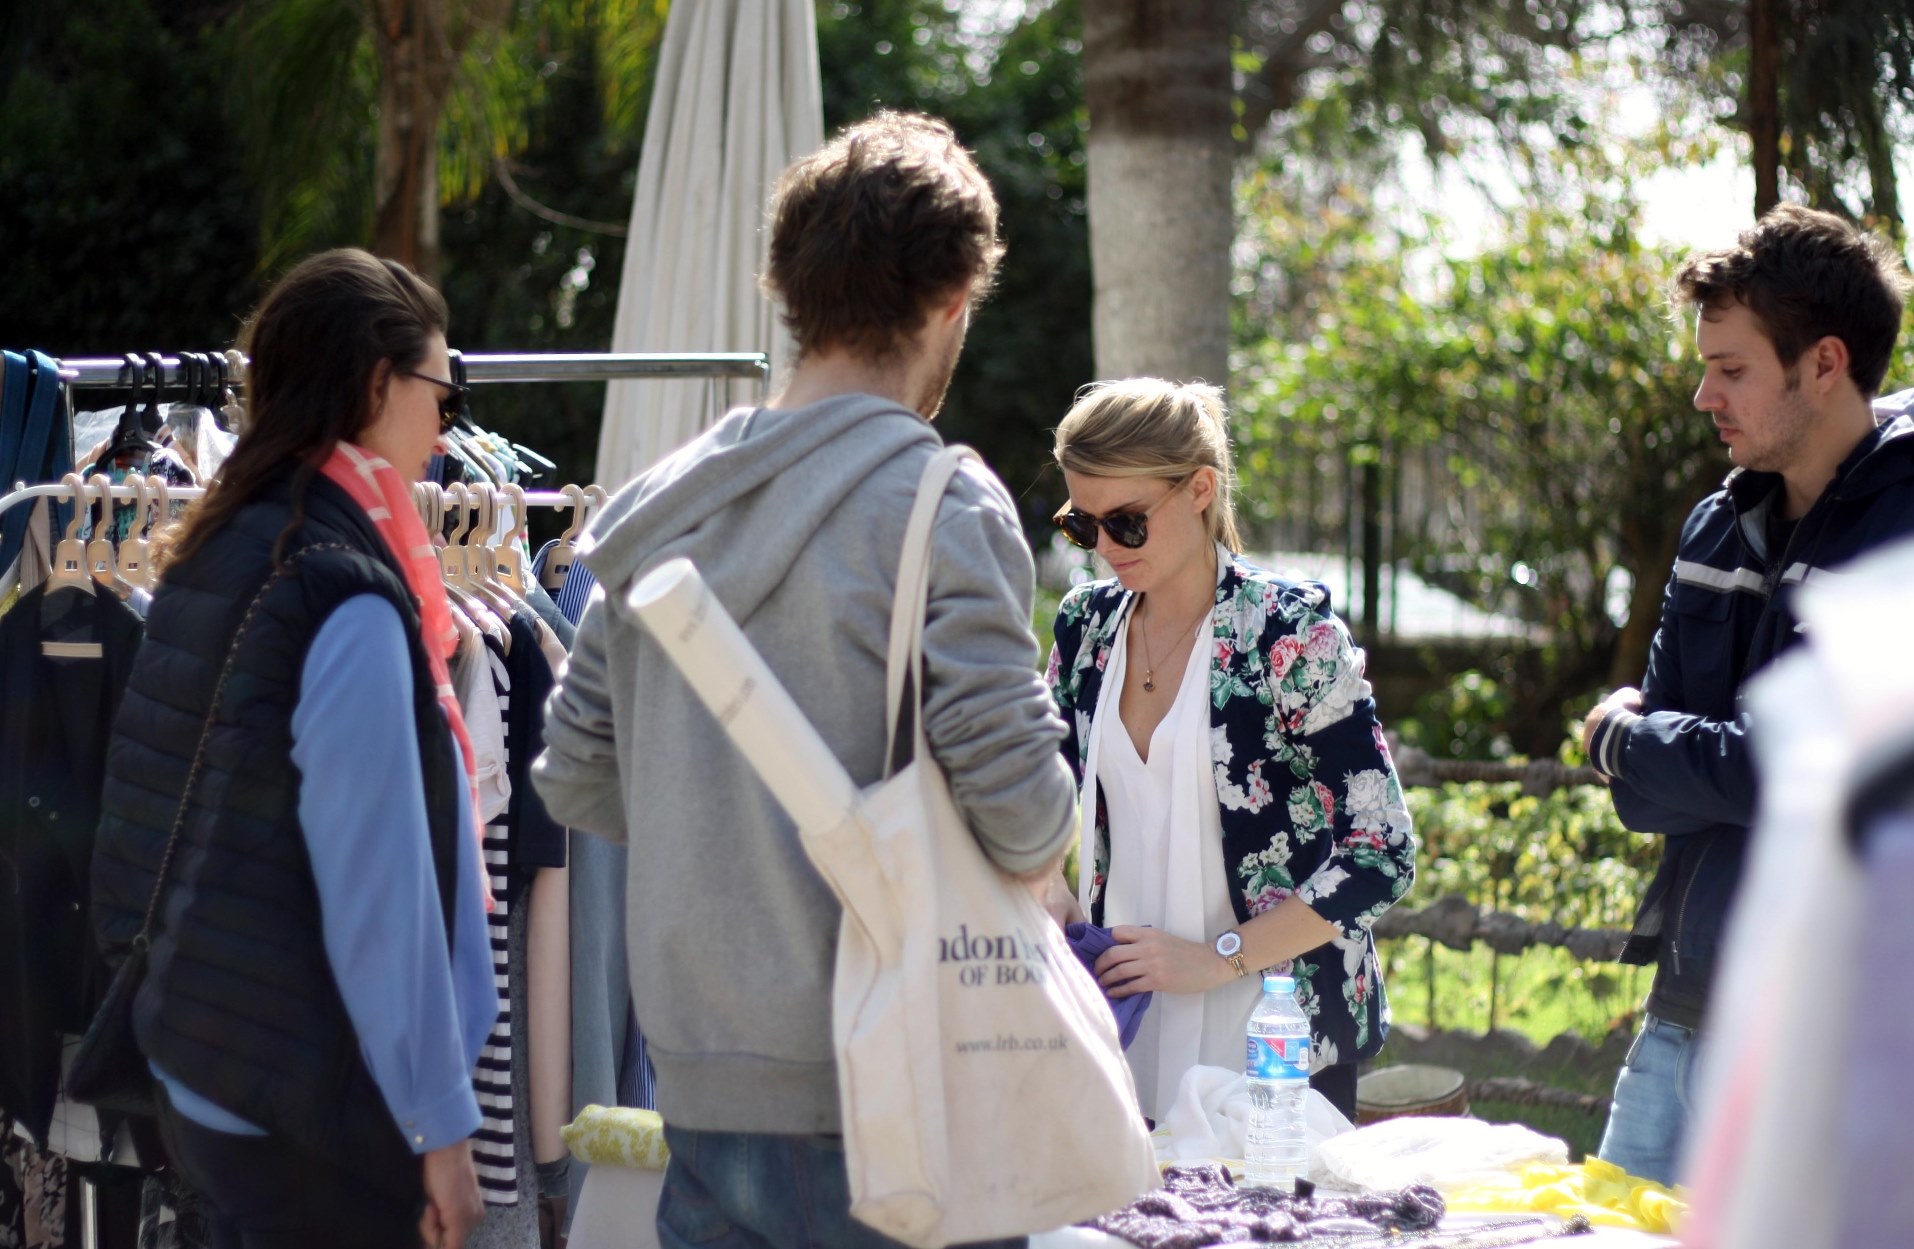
(794, 513)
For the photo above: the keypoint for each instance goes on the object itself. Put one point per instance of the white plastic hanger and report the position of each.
(558, 560)
(507, 561)
(135, 552)
(68, 571)
(452, 557)
(102, 561)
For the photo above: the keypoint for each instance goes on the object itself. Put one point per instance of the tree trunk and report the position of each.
(1764, 100)
(1161, 150)
(416, 60)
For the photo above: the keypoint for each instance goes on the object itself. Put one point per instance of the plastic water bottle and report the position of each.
(1275, 1151)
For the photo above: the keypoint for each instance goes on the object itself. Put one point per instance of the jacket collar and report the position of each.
(1881, 459)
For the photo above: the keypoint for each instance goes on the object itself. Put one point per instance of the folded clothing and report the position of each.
(1448, 1154)
(1599, 1191)
(1088, 942)
(621, 1136)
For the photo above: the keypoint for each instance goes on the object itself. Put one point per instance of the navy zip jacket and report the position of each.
(1684, 768)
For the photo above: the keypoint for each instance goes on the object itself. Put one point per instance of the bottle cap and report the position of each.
(1273, 983)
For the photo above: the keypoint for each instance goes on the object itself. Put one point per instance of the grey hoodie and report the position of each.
(796, 520)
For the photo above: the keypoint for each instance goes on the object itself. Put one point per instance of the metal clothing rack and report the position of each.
(130, 492)
(580, 367)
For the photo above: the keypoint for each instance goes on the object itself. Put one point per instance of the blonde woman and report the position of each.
(1247, 815)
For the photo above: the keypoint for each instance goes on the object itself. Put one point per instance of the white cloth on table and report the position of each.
(1211, 1114)
(1448, 1154)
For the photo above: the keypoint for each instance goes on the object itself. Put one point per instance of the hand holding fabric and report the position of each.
(1149, 960)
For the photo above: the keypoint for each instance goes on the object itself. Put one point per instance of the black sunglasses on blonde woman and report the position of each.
(1127, 529)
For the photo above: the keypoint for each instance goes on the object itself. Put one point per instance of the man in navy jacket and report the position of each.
(1795, 325)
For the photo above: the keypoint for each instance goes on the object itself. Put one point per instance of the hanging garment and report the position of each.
(537, 839)
(493, 1146)
(1812, 975)
(33, 1193)
(609, 1062)
(36, 442)
(541, 883)
(576, 592)
(55, 719)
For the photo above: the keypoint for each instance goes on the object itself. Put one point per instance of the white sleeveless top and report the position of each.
(1166, 870)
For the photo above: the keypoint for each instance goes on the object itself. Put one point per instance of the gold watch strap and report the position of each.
(1236, 961)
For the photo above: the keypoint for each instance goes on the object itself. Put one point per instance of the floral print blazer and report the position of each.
(1311, 806)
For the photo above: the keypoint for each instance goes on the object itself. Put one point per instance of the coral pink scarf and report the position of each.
(387, 499)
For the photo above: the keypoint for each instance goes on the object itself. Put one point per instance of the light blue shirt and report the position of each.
(421, 1019)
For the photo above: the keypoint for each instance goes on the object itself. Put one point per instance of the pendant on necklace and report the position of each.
(1149, 681)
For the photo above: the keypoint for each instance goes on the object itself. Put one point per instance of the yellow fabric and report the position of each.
(1603, 1192)
(618, 1136)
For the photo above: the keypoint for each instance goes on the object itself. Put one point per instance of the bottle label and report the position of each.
(1278, 1058)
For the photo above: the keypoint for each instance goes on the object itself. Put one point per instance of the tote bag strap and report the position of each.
(903, 672)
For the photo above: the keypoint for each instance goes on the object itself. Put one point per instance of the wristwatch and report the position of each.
(1230, 946)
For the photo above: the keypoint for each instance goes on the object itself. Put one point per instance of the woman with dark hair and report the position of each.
(319, 981)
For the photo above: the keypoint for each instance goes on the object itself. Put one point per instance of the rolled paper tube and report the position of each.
(730, 677)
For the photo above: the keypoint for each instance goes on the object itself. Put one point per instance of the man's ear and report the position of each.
(954, 307)
(1827, 363)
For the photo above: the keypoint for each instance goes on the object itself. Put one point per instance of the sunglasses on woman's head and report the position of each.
(450, 404)
(1127, 529)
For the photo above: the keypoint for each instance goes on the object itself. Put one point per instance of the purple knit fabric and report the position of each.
(1199, 1206)
(1089, 941)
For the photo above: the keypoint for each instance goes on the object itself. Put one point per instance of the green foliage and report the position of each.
(127, 216)
(305, 114)
(1462, 720)
(1844, 100)
(1540, 379)
(1563, 857)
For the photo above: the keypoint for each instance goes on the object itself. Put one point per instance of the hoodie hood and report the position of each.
(745, 497)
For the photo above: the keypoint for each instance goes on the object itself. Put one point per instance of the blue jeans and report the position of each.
(1649, 1117)
(746, 1190)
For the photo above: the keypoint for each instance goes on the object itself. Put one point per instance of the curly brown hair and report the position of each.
(1807, 275)
(869, 232)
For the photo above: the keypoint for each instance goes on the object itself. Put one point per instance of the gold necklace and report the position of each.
(1149, 664)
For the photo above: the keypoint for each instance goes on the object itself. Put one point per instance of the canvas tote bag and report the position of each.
(983, 1090)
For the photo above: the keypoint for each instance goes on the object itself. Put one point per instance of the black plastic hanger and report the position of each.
(150, 418)
(130, 437)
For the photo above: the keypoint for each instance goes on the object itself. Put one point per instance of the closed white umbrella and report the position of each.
(738, 97)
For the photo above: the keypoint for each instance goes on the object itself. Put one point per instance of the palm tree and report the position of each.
(450, 89)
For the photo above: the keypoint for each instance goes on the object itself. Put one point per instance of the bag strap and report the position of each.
(144, 936)
(28, 407)
(903, 671)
